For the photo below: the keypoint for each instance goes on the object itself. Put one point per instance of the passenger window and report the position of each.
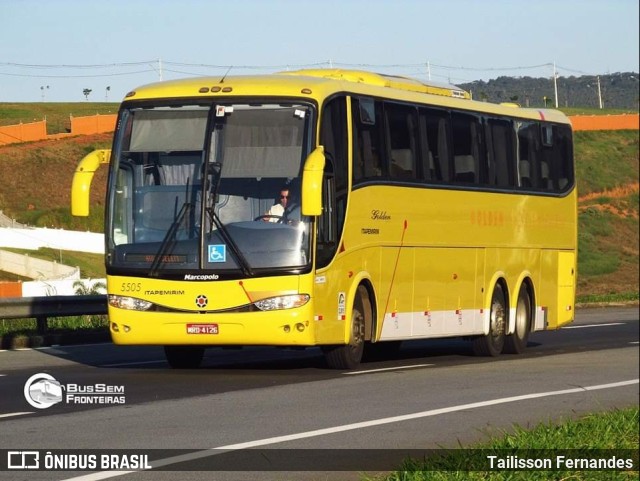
(435, 130)
(501, 154)
(368, 152)
(468, 148)
(529, 156)
(402, 140)
(556, 165)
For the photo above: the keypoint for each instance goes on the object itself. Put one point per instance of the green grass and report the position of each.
(28, 327)
(615, 298)
(594, 111)
(614, 430)
(605, 159)
(594, 259)
(56, 113)
(62, 216)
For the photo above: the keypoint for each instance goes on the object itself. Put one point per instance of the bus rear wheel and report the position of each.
(492, 343)
(184, 357)
(348, 356)
(517, 342)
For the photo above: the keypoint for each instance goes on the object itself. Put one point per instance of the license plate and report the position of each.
(202, 329)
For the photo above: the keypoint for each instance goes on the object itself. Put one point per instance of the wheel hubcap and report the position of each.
(497, 319)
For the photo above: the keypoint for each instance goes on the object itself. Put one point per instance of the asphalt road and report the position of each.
(430, 395)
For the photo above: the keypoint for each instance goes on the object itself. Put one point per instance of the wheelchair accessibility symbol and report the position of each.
(217, 253)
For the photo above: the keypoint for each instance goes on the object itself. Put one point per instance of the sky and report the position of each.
(52, 50)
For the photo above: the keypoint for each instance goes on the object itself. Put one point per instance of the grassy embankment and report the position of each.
(616, 430)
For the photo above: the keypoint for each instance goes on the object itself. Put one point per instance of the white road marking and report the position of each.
(8, 415)
(349, 427)
(595, 325)
(634, 342)
(397, 368)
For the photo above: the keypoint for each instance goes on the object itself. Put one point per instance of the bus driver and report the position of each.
(278, 212)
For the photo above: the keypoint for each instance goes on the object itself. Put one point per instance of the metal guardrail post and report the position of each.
(41, 326)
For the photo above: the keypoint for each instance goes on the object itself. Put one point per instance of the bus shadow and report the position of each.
(272, 359)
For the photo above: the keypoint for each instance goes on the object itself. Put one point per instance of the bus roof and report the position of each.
(321, 83)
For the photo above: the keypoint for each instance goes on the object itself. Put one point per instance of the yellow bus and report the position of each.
(403, 210)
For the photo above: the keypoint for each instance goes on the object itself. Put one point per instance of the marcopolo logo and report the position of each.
(43, 391)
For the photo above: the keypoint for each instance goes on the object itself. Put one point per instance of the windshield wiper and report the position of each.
(224, 233)
(169, 238)
(214, 169)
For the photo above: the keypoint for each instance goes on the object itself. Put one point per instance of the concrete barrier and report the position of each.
(35, 238)
(33, 268)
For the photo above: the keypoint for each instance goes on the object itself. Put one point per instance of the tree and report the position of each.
(86, 93)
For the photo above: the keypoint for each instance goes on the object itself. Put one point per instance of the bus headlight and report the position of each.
(282, 302)
(130, 303)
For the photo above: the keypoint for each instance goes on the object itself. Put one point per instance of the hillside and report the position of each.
(37, 183)
(617, 90)
(37, 179)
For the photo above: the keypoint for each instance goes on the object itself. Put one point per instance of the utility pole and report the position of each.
(429, 70)
(159, 69)
(555, 82)
(599, 93)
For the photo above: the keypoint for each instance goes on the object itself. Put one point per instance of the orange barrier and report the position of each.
(605, 122)
(10, 134)
(95, 124)
(10, 289)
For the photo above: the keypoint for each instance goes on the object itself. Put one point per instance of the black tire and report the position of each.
(184, 357)
(348, 356)
(492, 344)
(516, 343)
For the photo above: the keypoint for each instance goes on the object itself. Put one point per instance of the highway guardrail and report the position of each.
(42, 308)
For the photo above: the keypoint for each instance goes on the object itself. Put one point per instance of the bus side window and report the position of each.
(402, 140)
(436, 138)
(556, 165)
(368, 153)
(333, 136)
(468, 148)
(501, 153)
(562, 160)
(529, 156)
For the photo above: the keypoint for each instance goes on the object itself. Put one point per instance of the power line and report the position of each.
(415, 68)
(52, 66)
(76, 76)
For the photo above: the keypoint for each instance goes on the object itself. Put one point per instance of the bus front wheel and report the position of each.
(348, 356)
(492, 343)
(184, 357)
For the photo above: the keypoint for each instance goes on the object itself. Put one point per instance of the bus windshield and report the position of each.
(209, 187)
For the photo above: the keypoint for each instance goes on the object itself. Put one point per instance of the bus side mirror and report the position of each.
(81, 184)
(312, 182)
